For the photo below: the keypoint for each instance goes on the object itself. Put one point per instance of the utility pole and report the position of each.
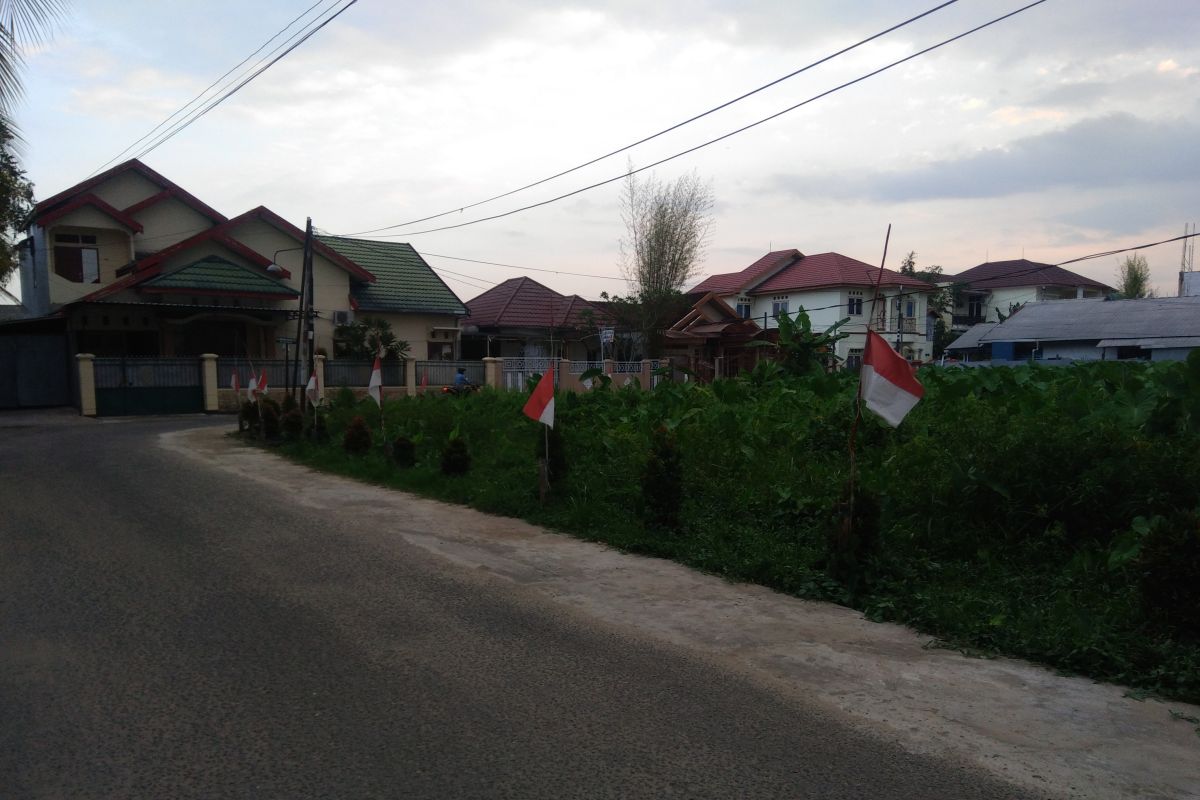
(304, 329)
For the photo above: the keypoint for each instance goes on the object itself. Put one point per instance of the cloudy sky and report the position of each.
(1069, 129)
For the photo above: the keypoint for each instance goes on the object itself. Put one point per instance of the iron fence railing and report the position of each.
(626, 367)
(517, 371)
(278, 371)
(357, 372)
(580, 367)
(441, 373)
(115, 373)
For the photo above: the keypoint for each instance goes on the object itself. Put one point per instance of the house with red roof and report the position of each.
(521, 318)
(829, 287)
(131, 264)
(991, 291)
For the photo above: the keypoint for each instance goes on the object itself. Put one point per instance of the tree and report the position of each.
(667, 226)
(1133, 277)
(22, 23)
(367, 338)
(16, 201)
(800, 350)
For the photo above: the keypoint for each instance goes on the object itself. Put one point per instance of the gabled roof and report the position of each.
(320, 243)
(525, 303)
(825, 270)
(133, 165)
(712, 318)
(217, 276)
(83, 200)
(175, 193)
(403, 281)
(1022, 272)
(1167, 318)
(731, 282)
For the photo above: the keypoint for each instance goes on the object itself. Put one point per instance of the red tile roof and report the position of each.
(833, 269)
(730, 282)
(1022, 272)
(525, 303)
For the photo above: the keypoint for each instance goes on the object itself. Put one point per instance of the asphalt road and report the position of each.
(167, 631)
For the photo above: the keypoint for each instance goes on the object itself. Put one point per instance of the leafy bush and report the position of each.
(552, 440)
(269, 412)
(662, 482)
(318, 426)
(289, 403)
(404, 451)
(248, 417)
(1170, 572)
(292, 423)
(344, 398)
(357, 439)
(456, 459)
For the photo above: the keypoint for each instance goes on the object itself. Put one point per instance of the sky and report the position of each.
(1069, 129)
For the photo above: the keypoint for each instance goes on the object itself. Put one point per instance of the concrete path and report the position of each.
(1055, 735)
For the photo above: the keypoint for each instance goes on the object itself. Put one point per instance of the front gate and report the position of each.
(127, 386)
(33, 371)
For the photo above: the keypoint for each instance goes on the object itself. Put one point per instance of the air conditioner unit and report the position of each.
(343, 317)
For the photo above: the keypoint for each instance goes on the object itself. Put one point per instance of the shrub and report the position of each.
(557, 463)
(319, 429)
(292, 423)
(1170, 572)
(270, 419)
(357, 438)
(662, 482)
(248, 417)
(456, 459)
(289, 403)
(404, 451)
(345, 398)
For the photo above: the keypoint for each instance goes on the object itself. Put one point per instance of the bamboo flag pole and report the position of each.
(858, 396)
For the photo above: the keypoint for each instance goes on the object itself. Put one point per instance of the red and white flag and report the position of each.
(375, 386)
(541, 403)
(233, 382)
(313, 390)
(261, 388)
(251, 387)
(889, 384)
(425, 379)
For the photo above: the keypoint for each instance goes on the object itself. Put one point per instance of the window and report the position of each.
(910, 308)
(743, 307)
(975, 307)
(854, 359)
(855, 307)
(73, 260)
(779, 305)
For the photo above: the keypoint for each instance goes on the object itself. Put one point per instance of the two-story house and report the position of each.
(990, 291)
(830, 287)
(134, 265)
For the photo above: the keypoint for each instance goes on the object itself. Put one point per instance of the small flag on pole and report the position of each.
(262, 382)
(425, 379)
(251, 387)
(233, 382)
(888, 383)
(541, 403)
(313, 389)
(375, 387)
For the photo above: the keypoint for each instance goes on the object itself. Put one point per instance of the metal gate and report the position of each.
(34, 371)
(126, 386)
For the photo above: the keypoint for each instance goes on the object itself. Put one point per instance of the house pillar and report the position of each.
(410, 377)
(565, 379)
(610, 366)
(493, 372)
(647, 370)
(86, 363)
(319, 368)
(208, 380)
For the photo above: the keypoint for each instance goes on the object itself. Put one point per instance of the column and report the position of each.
(87, 384)
(493, 369)
(208, 379)
(410, 377)
(319, 367)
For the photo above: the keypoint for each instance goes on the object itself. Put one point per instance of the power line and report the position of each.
(676, 126)
(526, 269)
(207, 89)
(723, 137)
(184, 124)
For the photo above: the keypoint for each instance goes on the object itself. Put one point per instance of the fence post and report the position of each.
(493, 369)
(610, 366)
(319, 368)
(87, 384)
(410, 377)
(665, 364)
(208, 379)
(565, 379)
(647, 372)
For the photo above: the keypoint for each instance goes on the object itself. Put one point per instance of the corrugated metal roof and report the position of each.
(403, 281)
(971, 336)
(1081, 320)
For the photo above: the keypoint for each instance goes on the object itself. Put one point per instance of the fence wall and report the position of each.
(441, 373)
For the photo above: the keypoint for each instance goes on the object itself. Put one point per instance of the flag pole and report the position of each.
(858, 395)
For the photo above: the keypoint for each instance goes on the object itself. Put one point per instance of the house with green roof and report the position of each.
(128, 263)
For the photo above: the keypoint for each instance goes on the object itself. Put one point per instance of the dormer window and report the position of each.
(76, 257)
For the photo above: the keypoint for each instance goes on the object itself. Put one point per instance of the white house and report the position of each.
(1004, 285)
(830, 287)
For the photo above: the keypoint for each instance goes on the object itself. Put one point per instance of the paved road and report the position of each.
(167, 631)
